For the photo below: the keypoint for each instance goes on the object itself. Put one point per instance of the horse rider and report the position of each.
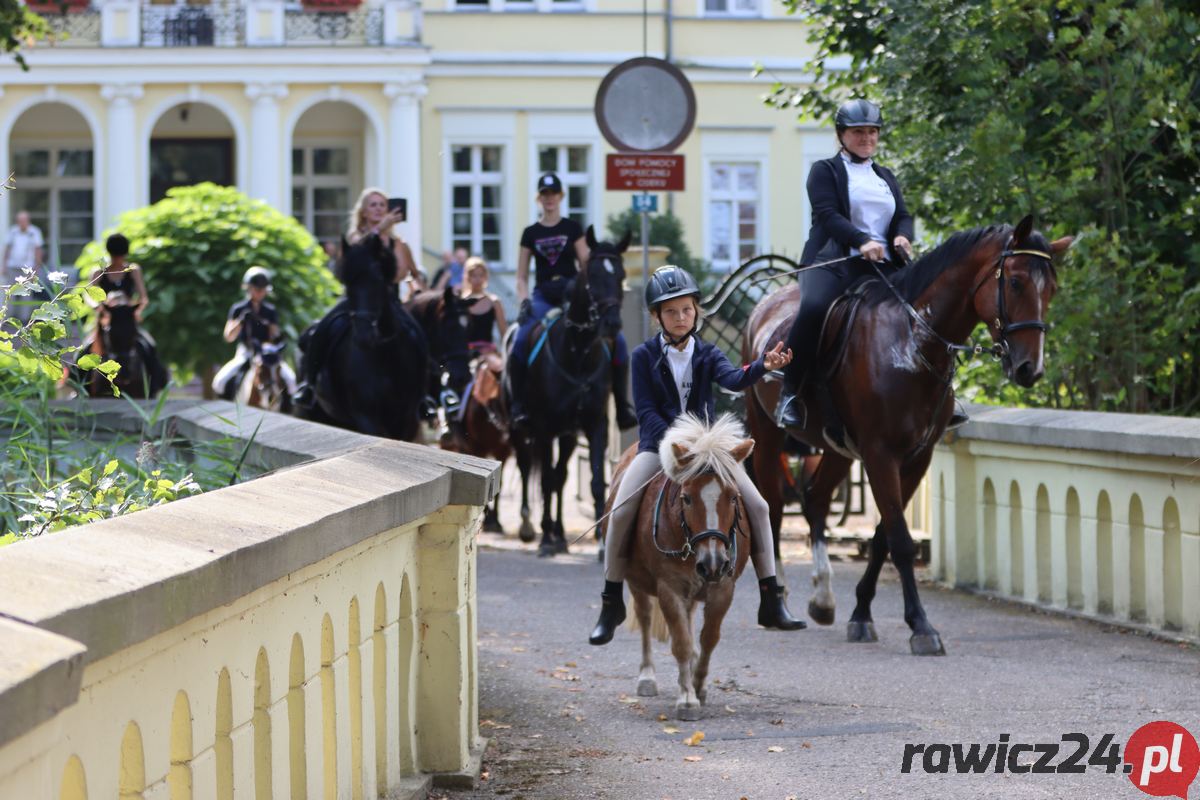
(673, 373)
(251, 321)
(557, 246)
(484, 311)
(123, 277)
(369, 217)
(859, 217)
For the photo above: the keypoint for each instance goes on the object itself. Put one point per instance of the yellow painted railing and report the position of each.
(1095, 513)
(307, 634)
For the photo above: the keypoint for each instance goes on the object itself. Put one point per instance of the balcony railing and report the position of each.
(75, 28)
(192, 26)
(356, 27)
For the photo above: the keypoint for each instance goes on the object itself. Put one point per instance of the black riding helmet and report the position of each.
(669, 282)
(858, 114)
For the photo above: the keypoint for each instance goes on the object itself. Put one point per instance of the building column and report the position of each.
(403, 144)
(266, 161)
(120, 157)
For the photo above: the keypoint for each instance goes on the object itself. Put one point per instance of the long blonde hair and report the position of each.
(358, 222)
(474, 263)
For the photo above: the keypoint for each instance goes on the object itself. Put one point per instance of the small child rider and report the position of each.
(673, 372)
(251, 321)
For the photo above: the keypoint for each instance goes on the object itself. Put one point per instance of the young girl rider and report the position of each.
(251, 321)
(673, 373)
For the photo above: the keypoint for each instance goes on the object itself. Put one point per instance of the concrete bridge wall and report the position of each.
(1094, 513)
(307, 634)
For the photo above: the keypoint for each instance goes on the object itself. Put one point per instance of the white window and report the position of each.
(476, 199)
(55, 185)
(732, 8)
(734, 213)
(322, 188)
(572, 164)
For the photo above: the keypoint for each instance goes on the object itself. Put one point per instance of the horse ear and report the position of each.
(682, 457)
(743, 450)
(1024, 228)
(623, 245)
(1060, 245)
(591, 237)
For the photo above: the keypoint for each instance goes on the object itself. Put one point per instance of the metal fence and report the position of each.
(193, 26)
(361, 26)
(74, 29)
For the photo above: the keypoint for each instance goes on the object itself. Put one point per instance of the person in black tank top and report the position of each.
(485, 311)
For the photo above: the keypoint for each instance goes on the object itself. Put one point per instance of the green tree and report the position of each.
(1084, 112)
(665, 230)
(19, 28)
(194, 246)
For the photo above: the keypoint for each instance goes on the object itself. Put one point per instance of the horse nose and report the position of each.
(1028, 374)
(702, 569)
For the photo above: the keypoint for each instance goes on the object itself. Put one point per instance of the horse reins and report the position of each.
(692, 539)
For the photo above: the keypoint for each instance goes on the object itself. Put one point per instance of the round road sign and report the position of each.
(645, 105)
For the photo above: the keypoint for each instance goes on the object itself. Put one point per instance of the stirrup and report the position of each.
(791, 412)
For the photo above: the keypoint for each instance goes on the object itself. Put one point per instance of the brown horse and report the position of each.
(263, 386)
(888, 359)
(688, 547)
(482, 430)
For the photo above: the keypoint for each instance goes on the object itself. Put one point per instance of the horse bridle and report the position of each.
(691, 539)
(1004, 326)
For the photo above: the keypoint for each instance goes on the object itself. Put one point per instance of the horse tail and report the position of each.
(658, 623)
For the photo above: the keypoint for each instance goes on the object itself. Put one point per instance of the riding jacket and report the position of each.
(832, 234)
(655, 394)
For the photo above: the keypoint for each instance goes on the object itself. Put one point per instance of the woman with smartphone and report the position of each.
(375, 214)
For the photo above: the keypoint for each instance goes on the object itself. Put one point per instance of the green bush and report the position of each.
(194, 246)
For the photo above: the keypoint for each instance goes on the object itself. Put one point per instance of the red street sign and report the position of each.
(644, 172)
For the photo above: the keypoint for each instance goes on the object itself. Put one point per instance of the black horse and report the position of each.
(118, 338)
(567, 388)
(443, 318)
(373, 376)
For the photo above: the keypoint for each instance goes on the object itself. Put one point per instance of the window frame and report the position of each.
(54, 184)
(478, 179)
(711, 196)
(309, 181)
(727, 13)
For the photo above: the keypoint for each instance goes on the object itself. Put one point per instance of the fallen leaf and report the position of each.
(662, 717)
(518, 649)
(777, 721)
(695, 739)
(774, 749)
(670, 729)
(693, 759)
(730, 709)
(570, 664)
(855, 705)
(806, 745)
(487, 723)
(725, 777)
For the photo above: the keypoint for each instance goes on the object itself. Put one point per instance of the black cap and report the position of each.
(549, 182)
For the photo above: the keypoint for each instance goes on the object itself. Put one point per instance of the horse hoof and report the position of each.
(687, 713)
(526, 532)
(546, 551)
(647, 687)
(560, 546)
(861, 632)
(926, 644)
(820, 614)
(702, 696)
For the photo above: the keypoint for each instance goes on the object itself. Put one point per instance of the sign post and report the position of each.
(645, 108)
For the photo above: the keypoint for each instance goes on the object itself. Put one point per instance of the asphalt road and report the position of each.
(802, 714)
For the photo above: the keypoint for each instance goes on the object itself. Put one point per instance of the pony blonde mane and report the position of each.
(710, 448)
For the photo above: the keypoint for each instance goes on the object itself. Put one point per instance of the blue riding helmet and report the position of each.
(669, 282)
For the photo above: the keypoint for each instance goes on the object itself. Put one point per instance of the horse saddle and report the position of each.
(486, 386)
(835, 329)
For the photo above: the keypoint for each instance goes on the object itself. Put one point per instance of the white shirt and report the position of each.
(21, 244)
(872, 205)
(680, 362)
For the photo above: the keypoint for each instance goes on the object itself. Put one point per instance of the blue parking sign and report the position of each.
(645, 202)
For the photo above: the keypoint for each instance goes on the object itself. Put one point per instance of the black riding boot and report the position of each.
(791, 411)
(626, 416)
(516, 368)
(772, 609)
(612, 612)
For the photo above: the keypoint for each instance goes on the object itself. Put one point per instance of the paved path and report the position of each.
(801, 714)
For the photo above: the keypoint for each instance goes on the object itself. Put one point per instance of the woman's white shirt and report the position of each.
(872, 205)
(680, 362)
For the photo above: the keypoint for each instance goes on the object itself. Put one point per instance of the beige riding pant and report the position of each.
(628, 500)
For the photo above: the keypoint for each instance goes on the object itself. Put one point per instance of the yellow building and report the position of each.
(456, 105)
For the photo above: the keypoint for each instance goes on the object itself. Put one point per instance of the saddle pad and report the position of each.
(486, 386)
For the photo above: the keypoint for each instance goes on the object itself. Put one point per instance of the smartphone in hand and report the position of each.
(399, 204)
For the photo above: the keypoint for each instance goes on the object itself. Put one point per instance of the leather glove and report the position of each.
(526, 312)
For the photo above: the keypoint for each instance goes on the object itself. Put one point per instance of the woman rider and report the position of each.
(557, 246)
(673, 373)
(121, 275)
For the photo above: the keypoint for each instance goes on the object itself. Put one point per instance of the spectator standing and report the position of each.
(24, 247)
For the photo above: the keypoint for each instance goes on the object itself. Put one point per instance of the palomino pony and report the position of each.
(688, 547)
(443, 318)
(263, 386)
(888, 360)
(117, 338)
(373, 377)
(567, 388)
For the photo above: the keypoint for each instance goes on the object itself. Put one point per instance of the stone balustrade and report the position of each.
(309, 633)
(1089, 512)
